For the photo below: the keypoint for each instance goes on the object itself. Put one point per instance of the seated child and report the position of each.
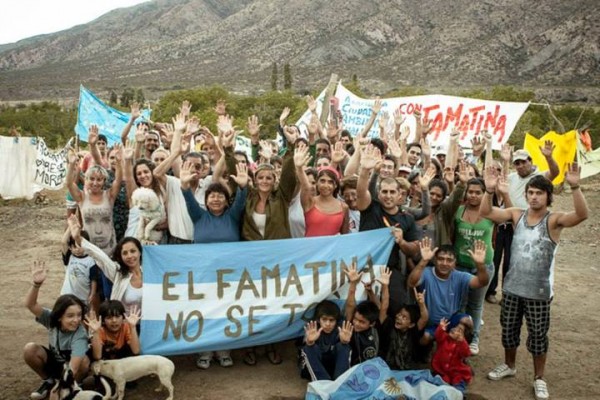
(400, 336)
(68, 340)
(326, 352)
(81, 271)
(365, 316)
(114, 335)
(453, 339)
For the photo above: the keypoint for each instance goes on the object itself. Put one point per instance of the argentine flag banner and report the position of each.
(110, 121)
(223, 296)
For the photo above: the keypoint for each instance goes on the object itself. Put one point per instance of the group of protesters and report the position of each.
(455, 228)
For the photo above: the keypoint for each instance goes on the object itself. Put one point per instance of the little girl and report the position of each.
(68, 340)
(400, 336)
(452, 350)
(112, 338)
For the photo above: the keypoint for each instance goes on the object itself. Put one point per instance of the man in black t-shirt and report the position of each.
(385, 211)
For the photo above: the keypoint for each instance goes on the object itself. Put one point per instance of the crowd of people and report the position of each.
(453, 228)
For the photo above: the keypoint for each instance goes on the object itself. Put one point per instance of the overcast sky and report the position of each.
(20, 19)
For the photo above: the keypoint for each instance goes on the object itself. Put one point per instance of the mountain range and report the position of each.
(550, 45)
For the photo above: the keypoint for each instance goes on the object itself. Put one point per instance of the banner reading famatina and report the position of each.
(470, 116)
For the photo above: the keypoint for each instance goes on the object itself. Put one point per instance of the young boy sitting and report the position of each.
(366, 316)
(326, 350)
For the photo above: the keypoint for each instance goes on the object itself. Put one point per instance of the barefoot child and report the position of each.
(114, 334)
(68, 340)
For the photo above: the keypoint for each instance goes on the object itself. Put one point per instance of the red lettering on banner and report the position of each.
(501, 127)
(453, 116)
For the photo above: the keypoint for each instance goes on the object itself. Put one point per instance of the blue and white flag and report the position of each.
(204, 297)
(110, 121)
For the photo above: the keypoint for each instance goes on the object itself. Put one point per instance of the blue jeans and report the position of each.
(473, 304)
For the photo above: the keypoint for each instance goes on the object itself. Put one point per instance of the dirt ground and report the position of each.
(32, 231)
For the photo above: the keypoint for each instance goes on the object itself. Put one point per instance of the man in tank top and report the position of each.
(528, 285)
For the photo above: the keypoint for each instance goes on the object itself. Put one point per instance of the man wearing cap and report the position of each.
(525, 170)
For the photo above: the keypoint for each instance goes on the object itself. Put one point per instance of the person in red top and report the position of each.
(452, 350)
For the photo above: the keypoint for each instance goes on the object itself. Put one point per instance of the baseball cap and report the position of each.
(406, 169)
(521, 154)
(442, 150)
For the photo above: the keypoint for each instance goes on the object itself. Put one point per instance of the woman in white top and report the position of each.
(125, 272)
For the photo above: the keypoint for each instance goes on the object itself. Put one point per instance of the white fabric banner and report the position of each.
(50, 167)
(17, 167)
(470, 116)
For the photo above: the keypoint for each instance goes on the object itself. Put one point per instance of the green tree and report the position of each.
(114, 98)
(274, 77)
(127, 97)
(139, 96)
(287, 76)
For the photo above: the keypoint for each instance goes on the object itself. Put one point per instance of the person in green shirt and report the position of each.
(469, 226)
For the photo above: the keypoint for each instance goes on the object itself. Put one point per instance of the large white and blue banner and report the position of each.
(110, 121)
(469, 116)
(204, 297)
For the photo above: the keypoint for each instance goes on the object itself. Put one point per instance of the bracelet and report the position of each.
(488, 192)
(575, 187)
(36, 285)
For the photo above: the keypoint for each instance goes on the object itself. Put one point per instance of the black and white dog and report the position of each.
(68, 389)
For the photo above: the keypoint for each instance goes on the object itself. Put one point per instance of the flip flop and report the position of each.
(273, 355)
(249, 357)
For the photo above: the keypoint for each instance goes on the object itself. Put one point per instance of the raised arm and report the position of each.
(72, 176)
(374, 111)
(301, 157)
(420, 298)
(188, 172)
(580, 212)
(179, 126)
(367, 163)
(135, 114)
(116, 185)
(384, 279)
(478, 255)
(486, 209)
(426, 255)
(353, 279)
(93, 141)
(39, 271)
(553, 169)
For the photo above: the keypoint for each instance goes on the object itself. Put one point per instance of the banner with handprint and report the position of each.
(110, 121)
(204, 297)
(469, 116)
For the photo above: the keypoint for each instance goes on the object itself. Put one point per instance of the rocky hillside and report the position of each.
(388, 43)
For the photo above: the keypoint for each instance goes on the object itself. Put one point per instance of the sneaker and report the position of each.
(490, 298)
(43, 391)
(474, 347)
(501, 371)
(203, 363)
(541, 389)
(226, 362)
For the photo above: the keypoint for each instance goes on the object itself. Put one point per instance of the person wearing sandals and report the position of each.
(528, 287)
(266, 216)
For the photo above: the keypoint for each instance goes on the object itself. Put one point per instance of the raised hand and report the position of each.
(241, 176)
(285, 113)
(478, 146)
(140, 133)
(394, 149)
(490, 178)
(427, 177)
(221, 107)
(193, 127)
(463, 173)
(93, 322)
(449, 175)
(398, 118)
(377, 104)
(253, 126)
(291, 134)
(427, 252)
(188, 173)
(353, 274)
(74, 227)
(478, 252)
(93, 135)
(338, 154)
(179, 123)
(404, 132)
(314, 125)
(454, 134)
(425, 148)
(185, 108)
(224, 124)
(72, 158)
(135, 111)
(419, 297)
(547, 149)
(301, 155)
(385, 276)
(266, 151)
(502, 185)
(573, 174)
(332, 131)
(134, 315)
(39, 272)
(346, 332)
(311, 333)
(311, 103)
(129, 151)
(506, 152)
(384, 119)
(369, 157)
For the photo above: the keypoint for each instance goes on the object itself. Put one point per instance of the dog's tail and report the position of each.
(107, 389)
